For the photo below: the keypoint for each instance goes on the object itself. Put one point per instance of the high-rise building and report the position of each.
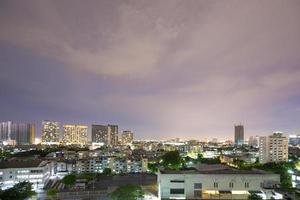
(127, 137)
(75, 134)
(253, 141)
(5, 131)
(23, 133)
(273, 148)
(294, 140)
(239, 134)
(106, 134)
(50, 132)
(17, 133)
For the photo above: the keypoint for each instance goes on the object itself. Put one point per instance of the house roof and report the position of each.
(213, 169)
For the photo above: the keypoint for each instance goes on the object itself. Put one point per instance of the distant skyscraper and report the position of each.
(107, 134)
(273, 148)
(50, 132)
(5, 131)
(23, 133)
(75, 134)
(127, 137)
(239, 134)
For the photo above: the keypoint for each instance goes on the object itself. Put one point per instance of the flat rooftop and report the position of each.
(20, 163)
(213, 169)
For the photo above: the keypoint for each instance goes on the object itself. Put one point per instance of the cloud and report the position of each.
(166, 67)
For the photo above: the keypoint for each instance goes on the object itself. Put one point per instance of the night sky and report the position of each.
(164, 69)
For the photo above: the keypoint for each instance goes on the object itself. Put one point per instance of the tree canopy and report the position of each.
(51, 193)
(254, 197)
(69, 180)
(127, 192)
(107, 172)
(172, 160)
(19, 191)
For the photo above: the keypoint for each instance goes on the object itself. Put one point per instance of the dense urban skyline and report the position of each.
(164, 69)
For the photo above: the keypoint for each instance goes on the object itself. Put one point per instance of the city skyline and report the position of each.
(191, 73)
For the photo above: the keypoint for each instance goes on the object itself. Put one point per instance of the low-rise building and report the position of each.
(34, 171)
(215, 182)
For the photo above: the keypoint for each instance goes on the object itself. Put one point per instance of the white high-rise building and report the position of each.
(75, 134)
(127, 137)
(273, 148)
(50, 132)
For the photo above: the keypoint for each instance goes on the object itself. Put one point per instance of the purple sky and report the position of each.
(165, 69)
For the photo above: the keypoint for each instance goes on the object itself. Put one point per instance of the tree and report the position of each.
(127, 192)
(254, 196)
(107, 172)
(51, 193)
(172, 160)
(282, 169)
(153, 167)
(19, 191)
(69, 180)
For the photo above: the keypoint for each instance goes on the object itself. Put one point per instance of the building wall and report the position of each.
(107, 134)
(5, 131)
(239, 134)
(36, 175)
(50, 132)
(127, 137)
(273, 148)
(211, 184)
(75, 134)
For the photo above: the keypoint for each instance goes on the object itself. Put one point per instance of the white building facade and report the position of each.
(214, 182)
(37, 174)
(273, 148)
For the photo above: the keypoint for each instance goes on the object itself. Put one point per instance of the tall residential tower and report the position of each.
(127, 137)
(273, 148)
(75, 134)
(50, 132)
(106, 134)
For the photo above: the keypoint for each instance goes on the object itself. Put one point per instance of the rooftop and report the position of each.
(21, 163)
(213, 169)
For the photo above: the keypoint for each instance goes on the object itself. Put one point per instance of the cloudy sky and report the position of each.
(164, 69)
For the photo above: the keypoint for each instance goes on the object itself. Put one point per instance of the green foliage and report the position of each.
(153, 167)
(277, 168)
(87, 176)
(51, 193)
(199, 157)
(172, 160)
(107, 172)
(282, 169)
(4, 154)
(254, 197)
(69, 180)
(127, 192)
(19, 191)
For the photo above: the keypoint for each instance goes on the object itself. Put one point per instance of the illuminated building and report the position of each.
(106, 134)
(14, 171)
(216, 182)
(294, 140)
(127, 137)
(50, 132)
(273, 148)
(239, 134)
(75, 134)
